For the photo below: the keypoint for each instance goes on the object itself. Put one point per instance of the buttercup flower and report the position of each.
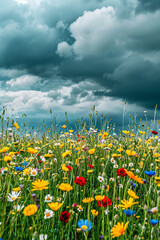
(88, 200)
(39, 185)
(55, 206)
(65, 187)
(30, 210)
(132, 194)
(91, 151)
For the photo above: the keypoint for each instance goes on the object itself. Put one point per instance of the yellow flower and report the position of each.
(94, 212)
(119, 229)
(65, 154)
(141, 164)
(11, 154)
(105, 134)
(16, 189)
(130, 153)
(16, 125)
(7, 158)
(89, 171)
(55, 206)
(125, 132)
(120, 149)
(91, 151)
(157, 181)
(132, 194)
(48, 155)
(88, 200)
(99, 197)
(65, 187)
(26, 171)
(32, 150)
(30, 210)
(128, 203)
(5, 149)
(142, 132)
(110, 145)
(64, 168)
(39, 185)
(64, 126)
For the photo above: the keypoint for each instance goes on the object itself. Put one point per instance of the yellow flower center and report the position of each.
(48, 198)
(84, 227)
(33, 172)
(48, 214)
(13, 198)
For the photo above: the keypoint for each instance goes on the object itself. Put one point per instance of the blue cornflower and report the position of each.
(128, 212)
(153, 222)
(150, 173)
(25, 164)
(85, 225)
(18, 168)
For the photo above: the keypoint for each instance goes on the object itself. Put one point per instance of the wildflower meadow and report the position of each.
(82, 183)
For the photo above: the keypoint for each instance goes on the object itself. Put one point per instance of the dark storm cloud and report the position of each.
(148, 5)
(136, 80)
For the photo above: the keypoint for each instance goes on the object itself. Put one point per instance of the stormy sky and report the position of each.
(68, 55)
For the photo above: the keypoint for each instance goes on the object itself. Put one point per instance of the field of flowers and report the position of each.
(85, 184)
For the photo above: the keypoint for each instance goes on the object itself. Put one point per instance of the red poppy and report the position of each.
(80, 181)
(69, 167)
(90, 166)
(121, 172)
(106, 201)
(154, 132)
(65, 216)
(38, 155)
(39, 161)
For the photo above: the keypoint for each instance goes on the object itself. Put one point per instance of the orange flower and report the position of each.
(132, 176)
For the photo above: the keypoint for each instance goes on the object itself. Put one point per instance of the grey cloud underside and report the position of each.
(148, 5)
(120, 60)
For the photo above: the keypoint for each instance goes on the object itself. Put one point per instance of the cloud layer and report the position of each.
(67, 56)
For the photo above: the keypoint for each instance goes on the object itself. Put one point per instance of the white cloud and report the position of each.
(102, 33)
(22, 1)
(64, 49)
(23, 82)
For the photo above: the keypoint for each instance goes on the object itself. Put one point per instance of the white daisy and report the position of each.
(59, 199)
(115, 166)
(113, 161)
(130, 164)
(43, 237)
(48, 214)
(48, 198)
(33, 172)
(13, 196)
(101, 179)
(124, 165)
(18, 207)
